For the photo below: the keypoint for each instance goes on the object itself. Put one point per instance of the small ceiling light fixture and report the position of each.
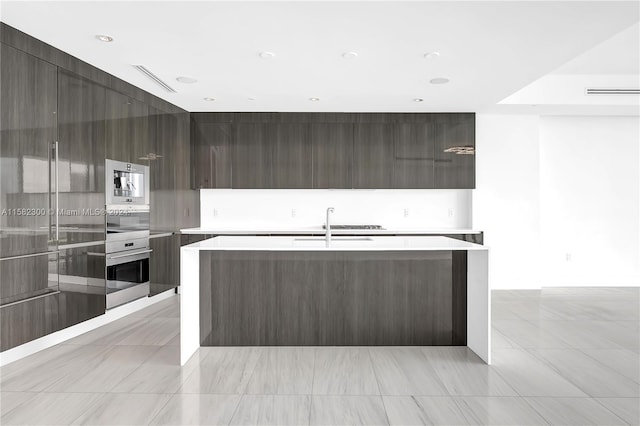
(350, 55)
(462, 150)
(208, 98)
(314, 99)
(105, 38)
(251, 99)
(267, 55)
(418, 100)
(186, 80)
(439, 80)
(432, 55)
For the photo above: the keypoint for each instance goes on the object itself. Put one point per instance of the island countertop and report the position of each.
(338, 243)
(262, 229)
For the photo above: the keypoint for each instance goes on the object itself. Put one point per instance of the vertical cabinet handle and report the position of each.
(49, 152)
(57, 158)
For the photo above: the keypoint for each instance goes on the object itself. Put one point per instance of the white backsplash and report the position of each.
(281, 208)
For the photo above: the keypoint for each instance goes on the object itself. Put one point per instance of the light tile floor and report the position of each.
(568, 356)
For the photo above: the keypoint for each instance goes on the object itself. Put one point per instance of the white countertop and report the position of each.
(274, 230)
(374, 243)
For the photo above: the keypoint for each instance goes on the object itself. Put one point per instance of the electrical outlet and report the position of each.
(450, 212)
(567, 257)
(293, 212)
(406, 212)
(215, 212)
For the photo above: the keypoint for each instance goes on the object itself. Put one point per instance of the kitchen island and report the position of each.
(362, 291)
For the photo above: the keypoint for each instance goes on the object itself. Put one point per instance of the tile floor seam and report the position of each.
(636, 381)
(313, 381)
(549, 364)
(375, 375)
(235, 410)
(549, 423)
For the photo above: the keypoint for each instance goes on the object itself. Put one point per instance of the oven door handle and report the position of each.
(131, 254)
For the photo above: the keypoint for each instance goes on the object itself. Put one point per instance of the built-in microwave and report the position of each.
(126, 183)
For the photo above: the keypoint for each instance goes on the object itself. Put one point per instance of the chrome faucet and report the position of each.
(328, 225)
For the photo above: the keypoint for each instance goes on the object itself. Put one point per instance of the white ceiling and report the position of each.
(489, 50)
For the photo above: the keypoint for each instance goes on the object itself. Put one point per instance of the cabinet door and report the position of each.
(373, 155)
(211, 154)
(413, 155)
(253, 148)
(28, 128)
(291, 163)
(454, 170)
(82, 284)
(332, 146)
(127, 128)
(81, 126)
(164, 265)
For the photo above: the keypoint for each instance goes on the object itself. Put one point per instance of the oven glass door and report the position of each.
(127, 274)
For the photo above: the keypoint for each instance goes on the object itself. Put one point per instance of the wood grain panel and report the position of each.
(340, 298)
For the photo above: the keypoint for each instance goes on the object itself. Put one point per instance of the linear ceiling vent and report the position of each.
(613, 91)
(154, 78)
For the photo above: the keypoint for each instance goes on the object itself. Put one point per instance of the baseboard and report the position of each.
(53, 339)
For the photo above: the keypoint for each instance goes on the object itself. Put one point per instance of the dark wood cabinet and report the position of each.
(28, 131)
(252, 158)
(324, 150)
(332, 155)
(211, 154)
(164, 264)
(126, 128)
(82, 285)
(291, 162)
(28, 320)
(454, 170)
(81, 145)
(373, 155)
(413, 155)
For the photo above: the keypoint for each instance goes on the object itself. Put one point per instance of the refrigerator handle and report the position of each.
(49, 152)
(57, 193)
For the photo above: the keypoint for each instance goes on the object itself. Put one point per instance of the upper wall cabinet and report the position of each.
(454, 137)
(210, 154)
(413, 151)
(126, 128)
(332, 155)
(373, 155)
(376, 151)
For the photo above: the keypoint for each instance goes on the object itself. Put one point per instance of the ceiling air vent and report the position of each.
(154, 78)
(613, 91)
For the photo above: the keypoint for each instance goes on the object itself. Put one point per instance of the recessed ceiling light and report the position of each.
(251, 99)
(314, 99)
(439, 80)
(209, 99)
(418, 100)
(187, 80)
(350, 55)
(432, 55)
(105, 38)
(267, 55)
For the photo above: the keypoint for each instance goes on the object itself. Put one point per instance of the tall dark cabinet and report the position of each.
(373, 157)
(81, 144)
(52, 230)
(28, 257)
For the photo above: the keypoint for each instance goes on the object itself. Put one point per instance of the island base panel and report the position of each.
(276, 298)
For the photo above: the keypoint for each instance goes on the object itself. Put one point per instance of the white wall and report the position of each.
(559, 200)
(589, 204)
(506, 204)
(269, 208)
